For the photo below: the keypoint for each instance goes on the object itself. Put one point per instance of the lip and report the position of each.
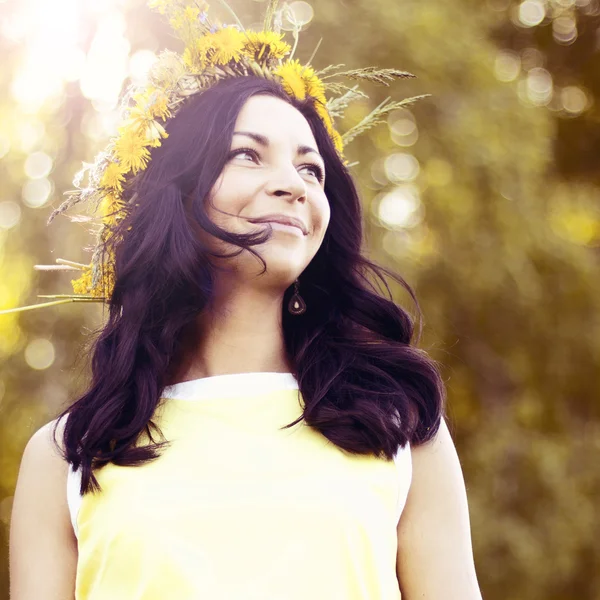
(284, 220)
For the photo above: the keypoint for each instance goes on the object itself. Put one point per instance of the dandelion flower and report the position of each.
(313, 85)
(195, 57)
(299, 81)
(132, 150)
(226, 44)
(148, 129)
(110, 209)
(152, 102)
(292, 80)
(327, 121)
(265, 44)
(113, 177)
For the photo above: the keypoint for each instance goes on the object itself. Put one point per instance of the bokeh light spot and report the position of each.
(39, 353)
(531, 12)
(564, 30)
(37, 165)
(378, 171)
(401, 207)
(297, 15)
(401, 166)
(30, 134)
(107, 62)
(573, 99)
(507, 65)
(10, 214)
(140, 64)
(404, 133)
(36, 192)
(538, 86)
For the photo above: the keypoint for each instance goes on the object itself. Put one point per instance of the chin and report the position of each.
(281, 268)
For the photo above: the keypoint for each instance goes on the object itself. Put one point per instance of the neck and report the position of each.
(240, 333)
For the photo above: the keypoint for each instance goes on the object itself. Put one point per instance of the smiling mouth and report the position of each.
(286, 227)
(283, 223)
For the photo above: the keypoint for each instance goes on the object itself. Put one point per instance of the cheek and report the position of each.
(321, 215)
(225, 197)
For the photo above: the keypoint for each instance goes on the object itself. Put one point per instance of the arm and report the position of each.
(43, 546)
(435, 556)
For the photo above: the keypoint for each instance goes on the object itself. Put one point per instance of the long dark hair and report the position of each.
(365, 387)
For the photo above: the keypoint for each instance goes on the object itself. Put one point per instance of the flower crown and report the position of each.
(213, 51)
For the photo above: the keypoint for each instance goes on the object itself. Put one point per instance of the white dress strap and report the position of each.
(73, 495)
(403, 460)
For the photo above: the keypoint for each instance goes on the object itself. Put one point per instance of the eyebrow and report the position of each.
(264, 141)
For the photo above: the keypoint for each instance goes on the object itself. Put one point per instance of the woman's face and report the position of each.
(274, 168)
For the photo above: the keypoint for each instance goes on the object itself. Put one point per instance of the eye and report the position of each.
(235, 153)
(317, 170)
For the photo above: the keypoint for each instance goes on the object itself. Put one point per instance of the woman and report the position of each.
(303, 451)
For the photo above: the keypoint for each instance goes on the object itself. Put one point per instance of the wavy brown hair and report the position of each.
(365, 386)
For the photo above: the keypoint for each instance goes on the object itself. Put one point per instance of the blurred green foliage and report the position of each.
(483, 196)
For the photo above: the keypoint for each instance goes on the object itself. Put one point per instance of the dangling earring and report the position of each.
(296, 305)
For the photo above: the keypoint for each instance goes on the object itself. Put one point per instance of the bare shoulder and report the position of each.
(44, 470)
(435, 555)
(42, 456)
(440, 448)
(41, 535)
(42, 441)
(42, 465)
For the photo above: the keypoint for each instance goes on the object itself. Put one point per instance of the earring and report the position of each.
(296, 305)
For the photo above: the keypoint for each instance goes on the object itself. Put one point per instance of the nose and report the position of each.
(286, 181)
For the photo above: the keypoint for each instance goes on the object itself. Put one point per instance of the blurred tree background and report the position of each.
(484, 196)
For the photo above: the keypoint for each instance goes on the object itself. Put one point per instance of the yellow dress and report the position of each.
(236, 508)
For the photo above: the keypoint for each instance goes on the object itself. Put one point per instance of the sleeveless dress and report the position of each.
(237, 509)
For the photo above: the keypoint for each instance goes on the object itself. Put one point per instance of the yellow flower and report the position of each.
(265, 44)
(338, 142)
(159, 5)
(110, 209)
(177, 22)
(225, 45)
(113, 177)
(149, 105)
(333, 134)
(106, 283)
(314, 86)
(300, 81)
(105, 286)
(292, 80)
(185, 17)
(324, 114)
(83, 285)
(189, 58)
(131, 149)
(152, 102)
(154, 132)
(148, 129)
(191, 13)
(195, 57)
